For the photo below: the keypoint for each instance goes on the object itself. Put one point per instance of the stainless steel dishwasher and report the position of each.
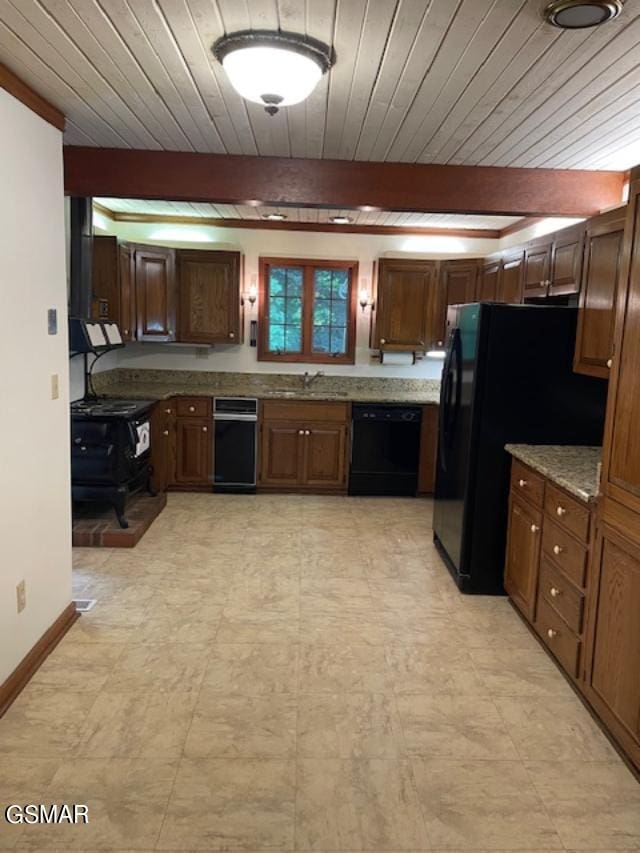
(235, 424)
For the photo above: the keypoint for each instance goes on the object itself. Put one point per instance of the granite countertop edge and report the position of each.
(572, 467)
(156, 392)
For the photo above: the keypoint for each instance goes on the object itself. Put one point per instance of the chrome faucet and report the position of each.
(307, 380)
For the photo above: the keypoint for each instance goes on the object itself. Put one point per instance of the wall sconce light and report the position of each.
(252, 292)
(364, 295)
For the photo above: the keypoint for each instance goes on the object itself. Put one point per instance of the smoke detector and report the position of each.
(578, 14)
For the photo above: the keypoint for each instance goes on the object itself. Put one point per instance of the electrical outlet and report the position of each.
(21, 596)
(55, 386)
(201, 352)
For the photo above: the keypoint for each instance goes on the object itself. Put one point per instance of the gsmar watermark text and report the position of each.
(40, 813)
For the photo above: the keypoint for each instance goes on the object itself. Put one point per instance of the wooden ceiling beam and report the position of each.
(12, 84)
(338, 184)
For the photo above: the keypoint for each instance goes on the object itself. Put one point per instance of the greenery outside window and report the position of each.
(307, 311)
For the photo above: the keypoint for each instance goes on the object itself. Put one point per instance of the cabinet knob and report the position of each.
(609, 362)
(557, 549)
(300, 432)
(551, 633)
(204, 429)
(561, 510)
(307, 432)
(167, 411)
(534, 528)
(522, 483)
(383, 340)
(555, 592)
(192, 408)
(440, 343)
(165, 432)
(231, 334)
(126, 331)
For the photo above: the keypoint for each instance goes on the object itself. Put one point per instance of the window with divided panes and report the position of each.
(307, 310)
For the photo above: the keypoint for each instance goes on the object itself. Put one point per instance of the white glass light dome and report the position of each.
(272, 69)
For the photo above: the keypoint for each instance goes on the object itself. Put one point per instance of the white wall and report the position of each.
(35, 517)
(255, 243)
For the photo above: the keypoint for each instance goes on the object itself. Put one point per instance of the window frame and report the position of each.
(307, 356)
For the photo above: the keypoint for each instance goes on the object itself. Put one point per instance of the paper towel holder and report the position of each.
(414, 356)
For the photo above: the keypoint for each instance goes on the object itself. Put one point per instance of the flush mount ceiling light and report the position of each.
(578, 14)
(275, 69)
(340, 220)
(274, 217)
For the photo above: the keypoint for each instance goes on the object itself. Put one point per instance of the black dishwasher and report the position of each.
(385, 449)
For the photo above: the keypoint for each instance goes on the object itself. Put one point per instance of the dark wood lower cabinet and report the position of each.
(523, 555)
(613, 655)
(193, 452)
(163, 444)
(428, 450)
(181, 443)
(588, 619)
(304, 445)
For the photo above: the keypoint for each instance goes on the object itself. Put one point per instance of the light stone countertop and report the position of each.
(576, 469)
(127, 383)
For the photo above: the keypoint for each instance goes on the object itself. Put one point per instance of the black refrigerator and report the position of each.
(507, 378)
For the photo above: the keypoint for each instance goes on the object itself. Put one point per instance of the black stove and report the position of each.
(110, 451)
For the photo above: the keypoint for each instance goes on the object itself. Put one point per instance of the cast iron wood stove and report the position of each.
(110, 451)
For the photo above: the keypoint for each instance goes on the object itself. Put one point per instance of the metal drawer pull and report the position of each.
(534, 528)
(555, 592)
(551, 633)
(561, 510)
(522, 483)
(557, 549)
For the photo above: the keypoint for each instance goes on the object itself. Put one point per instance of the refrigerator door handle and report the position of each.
(451, 396)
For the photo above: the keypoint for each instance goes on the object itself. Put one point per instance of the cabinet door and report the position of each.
(621, 456)
(523, 556)
(510, 284)
(489, 282)
(602, 255)
(458, 286)
(281, 454)
(404, 302)
(537, 266)
(614, 653)
(566, 263)
(193, 452)
(325, 448)
(127, 320)
(105, 285)
(209, 288)
(163, 439)
(155, 294)
(428, 449)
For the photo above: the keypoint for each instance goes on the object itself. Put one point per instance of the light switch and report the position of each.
(55, 386)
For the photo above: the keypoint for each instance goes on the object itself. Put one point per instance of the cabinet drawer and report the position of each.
(526, 482)
(304, 410)
(193, 407)
(558, 637)
(561, 595)
(567, 512)
(563, 550)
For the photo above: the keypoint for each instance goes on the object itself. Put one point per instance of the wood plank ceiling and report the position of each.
(476, 82)
(306, 214)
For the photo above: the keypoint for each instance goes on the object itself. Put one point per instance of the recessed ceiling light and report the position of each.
(340, 220)
(274, 69)
(578, 14)
(274, 217)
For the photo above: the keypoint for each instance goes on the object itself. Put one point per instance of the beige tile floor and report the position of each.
(300, 673)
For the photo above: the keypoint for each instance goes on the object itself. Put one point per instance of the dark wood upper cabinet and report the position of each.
(537, 268)
(126, 264)
(600, 274)
(156, 295)
(405, 304)
(209, 296)
(489, 281)
(105, 279)
(458, 286)
(510, 283)
(566, 261)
